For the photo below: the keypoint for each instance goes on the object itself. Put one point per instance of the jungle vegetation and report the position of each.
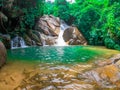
(98, 20)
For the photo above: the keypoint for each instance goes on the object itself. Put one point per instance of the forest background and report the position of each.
(97, 20)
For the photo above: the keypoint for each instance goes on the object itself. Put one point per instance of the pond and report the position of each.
(49, 67)
(59, 54)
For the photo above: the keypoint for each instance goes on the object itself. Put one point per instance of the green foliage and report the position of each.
(22, 15)
(109, 43)
(49, 8)
(28, 11)
(62, 9)
(99, 21)
(30, 15)
(59, 8)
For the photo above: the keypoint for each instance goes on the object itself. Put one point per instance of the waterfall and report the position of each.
(60, 41)
(17, 42)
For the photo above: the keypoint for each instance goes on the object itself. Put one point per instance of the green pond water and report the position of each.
(60, 54)
(50, 67)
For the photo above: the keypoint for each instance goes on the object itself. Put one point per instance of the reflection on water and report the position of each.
(49, 68)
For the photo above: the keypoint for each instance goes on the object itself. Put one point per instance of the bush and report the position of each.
(109, 43)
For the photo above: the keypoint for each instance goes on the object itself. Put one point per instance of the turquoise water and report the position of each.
(62, 54)
(41, 68)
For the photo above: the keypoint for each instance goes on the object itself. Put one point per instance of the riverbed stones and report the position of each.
(105, 75)
(62, 77)
(3, 56)
(113, 60)
(76, 86)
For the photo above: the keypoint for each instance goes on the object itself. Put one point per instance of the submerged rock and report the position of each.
(113, 60)
(75, 86)
(50, 88)
(68, 77)
(106, 75)
(3, 53)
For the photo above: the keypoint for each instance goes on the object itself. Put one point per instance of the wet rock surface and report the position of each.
(52, 77)
(106, 75)
(49, 76)
(49, 28)
(33, 38)
(77, 77)
(46, 31)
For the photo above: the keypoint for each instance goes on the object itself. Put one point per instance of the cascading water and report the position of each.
(60, 41)
(17, 42)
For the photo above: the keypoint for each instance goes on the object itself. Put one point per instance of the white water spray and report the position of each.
(60, 41)
(17, 42)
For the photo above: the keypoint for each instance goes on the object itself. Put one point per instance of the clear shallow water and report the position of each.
(50, 67)
(54, 54)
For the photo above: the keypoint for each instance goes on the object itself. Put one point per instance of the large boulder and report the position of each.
(6, 40)
(49, 28)
(2, 54)
(74, 37)
(48, 40)
(49, 25)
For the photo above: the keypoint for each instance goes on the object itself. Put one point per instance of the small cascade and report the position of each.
(17, 42)
(44, 43)
(60, 41)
